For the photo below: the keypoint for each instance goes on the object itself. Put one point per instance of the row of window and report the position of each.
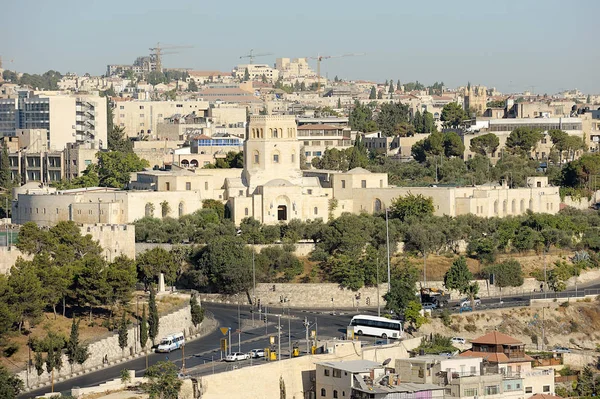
(541, 126)
(335, 393)
(273, 133)
(275, 157)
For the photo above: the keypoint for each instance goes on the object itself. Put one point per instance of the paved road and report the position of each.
(202, 351)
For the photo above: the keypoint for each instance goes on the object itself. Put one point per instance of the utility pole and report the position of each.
(306, 327)
(229, 346)
(378, 308)
(183, 358)
(387, 239)
(289, 333)
(279, 337)
(253, 284)
(545, 275)
(239, 328)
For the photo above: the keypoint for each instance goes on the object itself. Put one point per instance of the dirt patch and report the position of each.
(575, 325)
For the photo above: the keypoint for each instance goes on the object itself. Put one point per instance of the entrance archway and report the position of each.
(282, 213)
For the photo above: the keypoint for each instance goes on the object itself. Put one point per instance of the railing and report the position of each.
(565, 295)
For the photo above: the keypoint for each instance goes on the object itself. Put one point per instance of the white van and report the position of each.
(171, 342)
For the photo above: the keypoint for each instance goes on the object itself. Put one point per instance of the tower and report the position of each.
(271, 151)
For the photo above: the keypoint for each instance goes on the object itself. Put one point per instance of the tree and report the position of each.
(143, 328)
(5, 178)
(114, 167)
(411, 206)
(459, 277)
(398, 85)
(118, 140)
(453, 145)
(428, 122)
(403, 288)
(156, 77)
(90, 286)
(391, 116)
(123, 333)
(25, 293)
(361, 118)
(380, 95)
(163, 382)
(577, 173)
(196, 310)
(76, 353)
(412, 315)
(153, 319)
(558, 276)
(153, 262)
(453, 115)
(373, 93)
(506, 274)
(121, 278)
(192, 86)
(391, 90)
(10, 385)
(523, 140)
(485, 145)
(246, 75)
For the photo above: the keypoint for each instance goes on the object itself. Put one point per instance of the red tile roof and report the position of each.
(493, 357)
(496, 338)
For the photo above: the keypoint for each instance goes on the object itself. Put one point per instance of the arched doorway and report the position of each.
(377, 205)
(282, 213)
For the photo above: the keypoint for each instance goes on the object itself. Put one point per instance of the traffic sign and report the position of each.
(224, 330)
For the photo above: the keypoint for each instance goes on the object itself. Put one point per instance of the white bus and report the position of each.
(171, 342)
(376, 326)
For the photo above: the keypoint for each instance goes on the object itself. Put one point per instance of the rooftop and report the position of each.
(496, 338)
(319, 127)
(352, 366)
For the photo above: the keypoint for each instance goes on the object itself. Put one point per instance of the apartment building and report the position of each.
(67, 118)
(503, 127)
(256, 72)
(140, 118)
(318, 134)
(294, 68)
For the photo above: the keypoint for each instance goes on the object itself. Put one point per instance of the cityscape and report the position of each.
(301, 201)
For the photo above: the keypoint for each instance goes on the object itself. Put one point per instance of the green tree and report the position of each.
(10, 385)
(403, 288)
(25, 293)
(380, 95)
(192, 86)
(559, 274)
(163, 382)
(246, 75)
(428, 122)
(218, 206)
(118, 140)
(143, 328)
(76, 352)
(453, 115)
(412, 315)
(121, 278)
(459, 277)
(153, 319)
(373, 93)
(411, 207)
(90, 287)
(114, 167)
(156, 77)
(5, 178)
(418, 122)
(123, 333)
(453, 145)
(391, 116)
(523, 140)
(508, 273)
(361, 118)
(391, 90)
(196, 310)
(577, 173)
(485, 145)
(153, 262)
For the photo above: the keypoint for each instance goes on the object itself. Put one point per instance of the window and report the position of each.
(206, 185)
(470, 392)
(168, 186)
(275, 158)
(546, 388)
(122, 107)
(343, 183)
(326, 372)
(181, 209)
(539, 184)
(245, 211)
(188, 186)
(492, 390)
(323, 392)
(122, 115)
(141, 107)
(256, 160)
(141, 115)
(363, 184)
(528, 389)
(293, 158)
(337, 373)
(241, 192)
(335, 394)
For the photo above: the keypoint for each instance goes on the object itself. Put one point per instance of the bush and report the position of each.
(455, 327)
(564, 305)
(445, 316)
(471, 328)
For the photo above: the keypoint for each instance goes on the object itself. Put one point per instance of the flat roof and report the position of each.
(353, 366)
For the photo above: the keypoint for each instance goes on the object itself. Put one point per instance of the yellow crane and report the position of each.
(157, 53)
(252, 56)
(320, 58)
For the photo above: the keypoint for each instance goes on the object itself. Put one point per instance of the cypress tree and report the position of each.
(5, 180)
(196, 310)
(123, 334)
(373, 94)
(153, 316)
(144, 328)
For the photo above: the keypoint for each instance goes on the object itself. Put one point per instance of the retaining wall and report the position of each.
(176, 321)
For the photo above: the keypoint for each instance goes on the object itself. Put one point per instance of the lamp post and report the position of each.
(387, 239)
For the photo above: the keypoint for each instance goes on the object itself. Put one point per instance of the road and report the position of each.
(200, 353)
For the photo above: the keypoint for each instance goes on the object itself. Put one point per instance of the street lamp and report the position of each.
(387, 239)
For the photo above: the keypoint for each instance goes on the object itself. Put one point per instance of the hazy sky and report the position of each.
(511, 45)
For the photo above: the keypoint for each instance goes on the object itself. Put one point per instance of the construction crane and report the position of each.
(252, 56)
(320, 58)
(158, 53)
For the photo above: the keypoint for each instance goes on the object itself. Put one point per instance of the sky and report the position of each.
(540, 45)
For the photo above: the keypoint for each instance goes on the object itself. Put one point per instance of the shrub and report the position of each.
(564, 305)
(455, 327)
(445, 316)
(471, 328)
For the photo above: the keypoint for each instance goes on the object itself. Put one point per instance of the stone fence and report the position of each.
(178, 320)
(330, 296)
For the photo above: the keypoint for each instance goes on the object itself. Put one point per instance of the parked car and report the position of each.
(429, 306)
(255, 353)
(561, 349)
(236, 356)
(458, 340)
(467, 302)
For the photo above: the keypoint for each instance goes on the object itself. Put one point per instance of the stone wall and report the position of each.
(579, 360)
(179, 320)
(8, 257)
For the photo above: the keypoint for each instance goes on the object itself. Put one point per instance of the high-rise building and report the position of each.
(79, 118)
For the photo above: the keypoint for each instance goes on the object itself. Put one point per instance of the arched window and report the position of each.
(262, 133)
(514, 206)
(522, 206)
(293, 157)
(323, 392)
(246, 211)
(335, 394)
(316, 211)
(256, 157)
(531, 204)
(185, 163)
(149, 210)
(504, 206)
(377, 205)
(496, 207)
(275, 133)
(194, 163)
(270, 133)
(181, 209)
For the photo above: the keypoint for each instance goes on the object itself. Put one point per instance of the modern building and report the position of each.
(67, 118)
(256, 72)
(316, 139)
(294, 68)
(475, 98)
